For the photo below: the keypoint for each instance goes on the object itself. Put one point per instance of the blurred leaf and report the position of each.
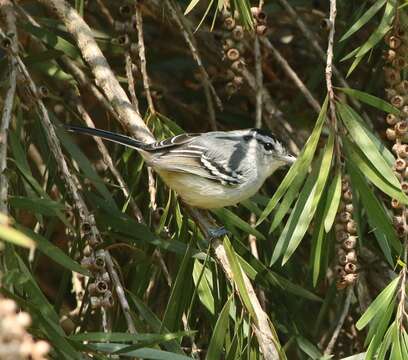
(16, 237)
(54, 252)
(308, 348)
(191, 6)
(317, 240)
(352, 121)
(371, 100)
(227, 216)
(368, 169)
(379, 305)
(52, 40)
(332, 201)
(299, 168)
(216, 345)
(364, 19)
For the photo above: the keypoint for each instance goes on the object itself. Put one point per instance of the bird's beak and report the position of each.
(289, 159)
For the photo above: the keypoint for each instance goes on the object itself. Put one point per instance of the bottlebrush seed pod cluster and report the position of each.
(15, 342)
(260, 20)
(346, 239)
(233, 48)
(94, 261)
(397, 94)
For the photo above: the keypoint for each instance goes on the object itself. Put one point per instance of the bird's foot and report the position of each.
(217, 233)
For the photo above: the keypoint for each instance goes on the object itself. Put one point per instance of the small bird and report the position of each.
(209, 170)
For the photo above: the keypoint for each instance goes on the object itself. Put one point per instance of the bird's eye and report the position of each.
(268, 146)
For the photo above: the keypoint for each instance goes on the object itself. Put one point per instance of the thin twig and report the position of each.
(10, 21)
(336, 332)
(190, 40)
(131, 81)
(106, 13)
(259, 81)
(292, 74)
(329, 61)
(142, 57)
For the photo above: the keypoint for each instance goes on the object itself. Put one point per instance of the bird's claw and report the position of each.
(217, 233)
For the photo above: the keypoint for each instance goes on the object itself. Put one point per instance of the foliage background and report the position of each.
(182, 305)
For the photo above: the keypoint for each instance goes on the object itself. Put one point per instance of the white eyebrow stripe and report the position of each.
(197, 147)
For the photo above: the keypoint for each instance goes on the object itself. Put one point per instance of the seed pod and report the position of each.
(338, 227)
(229, 23)
(342, 236)
(344, 216)
(399, 63)
(88, 262)
(405, 110)
(238, 80)
(351, 227)
(398, 101)
(396, 204)
(404, 187)
(100, 259)
(238, 65)
(238, 33)
(341, 252)
(347, 195)
(351, 256)
(92, 288)
(350, 243)
(390, 93)
(350, 268)
(391, 119)
(233, 54)
(340, 271)
(231, 88)
(261, 29)
(394, 42)
(123, 40)
(101, 286)
(349, 208)
(402, 87)
(392, 76)
(349, 279)
(389, 55)
(391, 135)
(400, 165)
(119, 26)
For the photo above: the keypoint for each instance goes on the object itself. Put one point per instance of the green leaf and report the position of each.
(377, 35)
(308, 348)
(205, 285)
(307, 213)
(317, 241)
(215, 348)
(364, 19)
(16, 237)
(379, 304)
(300, 166)
(177, 299)
(332, 202)
(53, 41)
(352, 121)
(371, 100)
(238, 276)
(377, 216)
(367, 168)
(226, 215)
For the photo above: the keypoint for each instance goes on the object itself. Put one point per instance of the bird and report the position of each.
(208, 170)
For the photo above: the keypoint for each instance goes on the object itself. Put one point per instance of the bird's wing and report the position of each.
(194, 158)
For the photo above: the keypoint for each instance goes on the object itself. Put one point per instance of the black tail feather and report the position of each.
(107, 135)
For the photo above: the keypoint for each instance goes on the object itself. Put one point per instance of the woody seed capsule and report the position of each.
(402, 87)
(391, 135)
(344, 216)
(238, 33)
(341, 236)
(391, 119)
(351, 227)
(229, 23)
(233, 54)
(394, 42)
(350, 243)
(400, 165)
(396, 204)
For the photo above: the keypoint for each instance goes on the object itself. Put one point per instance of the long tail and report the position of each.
(107, 135)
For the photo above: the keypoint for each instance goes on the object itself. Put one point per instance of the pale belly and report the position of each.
(203, 193)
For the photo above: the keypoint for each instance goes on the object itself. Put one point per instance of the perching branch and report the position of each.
(10, 21)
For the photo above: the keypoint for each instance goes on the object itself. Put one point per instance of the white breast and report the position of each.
(206, 194)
